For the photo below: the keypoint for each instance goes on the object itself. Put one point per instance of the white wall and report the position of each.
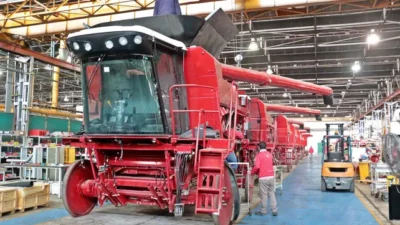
(318, 131)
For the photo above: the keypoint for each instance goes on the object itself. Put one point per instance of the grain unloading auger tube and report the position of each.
(293, 109)
(261, 78)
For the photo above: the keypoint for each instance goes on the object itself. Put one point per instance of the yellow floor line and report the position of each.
(259, 200)
(370, 210)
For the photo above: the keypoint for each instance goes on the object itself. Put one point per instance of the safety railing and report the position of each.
(199, 111)
(202, 112)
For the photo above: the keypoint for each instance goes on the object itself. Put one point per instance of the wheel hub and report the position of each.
(76, 198)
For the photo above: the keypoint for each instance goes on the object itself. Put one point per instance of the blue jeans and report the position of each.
(231, 158)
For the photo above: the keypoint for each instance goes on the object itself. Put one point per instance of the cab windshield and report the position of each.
(122, 96)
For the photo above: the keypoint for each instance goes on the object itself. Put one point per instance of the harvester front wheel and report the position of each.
(230, 209)
(74, 201)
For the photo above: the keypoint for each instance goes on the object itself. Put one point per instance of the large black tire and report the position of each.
(236, 194)
(352, 186)
(323, 185)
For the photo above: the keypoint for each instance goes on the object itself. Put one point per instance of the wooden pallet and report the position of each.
(31, 198)
(7, 213)
(8, 200)
(32, 207)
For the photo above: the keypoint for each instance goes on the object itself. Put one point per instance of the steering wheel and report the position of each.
(121, 93)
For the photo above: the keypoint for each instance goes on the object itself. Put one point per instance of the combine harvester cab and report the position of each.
(162, 116)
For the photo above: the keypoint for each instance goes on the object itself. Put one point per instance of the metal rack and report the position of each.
(378, 184)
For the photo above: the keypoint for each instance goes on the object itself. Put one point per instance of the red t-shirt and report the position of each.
(263, 164)
(311, 150)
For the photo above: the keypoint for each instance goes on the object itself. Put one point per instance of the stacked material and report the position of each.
(69, 155)
(32, 197)
(8, 200)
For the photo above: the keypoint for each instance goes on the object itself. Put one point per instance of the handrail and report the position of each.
(200, 113)
(171, 105)
(234, 88)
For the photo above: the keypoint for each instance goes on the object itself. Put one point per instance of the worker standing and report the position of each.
(265, 169)
(311, 151)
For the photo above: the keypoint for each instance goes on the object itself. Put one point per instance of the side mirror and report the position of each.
(328, 100)
(318, 118)
(301, 126)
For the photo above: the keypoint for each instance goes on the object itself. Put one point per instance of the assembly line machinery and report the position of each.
(162, 115)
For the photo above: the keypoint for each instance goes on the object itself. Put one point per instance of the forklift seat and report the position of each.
(334, 157)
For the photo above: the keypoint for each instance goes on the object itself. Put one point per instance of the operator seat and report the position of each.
(335, 157)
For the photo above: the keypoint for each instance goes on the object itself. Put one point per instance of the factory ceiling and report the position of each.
(317, 41)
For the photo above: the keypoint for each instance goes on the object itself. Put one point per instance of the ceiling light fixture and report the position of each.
(66, 99)
(373, 38)
(326, 115)
(285, 95)
(253, 45)
(356, 67)
(328, 106)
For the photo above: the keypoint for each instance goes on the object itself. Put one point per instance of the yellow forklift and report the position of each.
(337, 169)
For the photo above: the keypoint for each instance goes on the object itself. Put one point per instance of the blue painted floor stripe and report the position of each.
(36, 218)
(303, 203)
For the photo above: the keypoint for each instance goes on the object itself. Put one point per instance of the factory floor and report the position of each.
(302, 202)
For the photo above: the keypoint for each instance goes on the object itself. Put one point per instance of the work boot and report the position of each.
(275, 213)
(259, 213)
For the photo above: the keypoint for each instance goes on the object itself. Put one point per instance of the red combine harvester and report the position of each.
(299, 146)
(288, 142)
(262, 127)
(304, 134)
(162, 116)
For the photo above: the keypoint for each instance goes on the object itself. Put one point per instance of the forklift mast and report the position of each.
(340, 127)
(339, 135)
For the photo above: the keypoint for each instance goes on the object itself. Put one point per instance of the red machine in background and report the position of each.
(289, 146)
(162, 118)
(305, 141)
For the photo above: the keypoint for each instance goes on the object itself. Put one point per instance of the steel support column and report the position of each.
(9, 87)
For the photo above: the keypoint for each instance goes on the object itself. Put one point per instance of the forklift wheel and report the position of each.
(377, 195)
(384, 198)
(323, 185)
(352, 187)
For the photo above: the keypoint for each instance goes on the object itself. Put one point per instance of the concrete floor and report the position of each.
(378, 208)
(301, 203)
